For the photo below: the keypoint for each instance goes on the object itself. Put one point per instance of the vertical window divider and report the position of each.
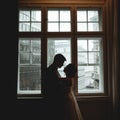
(43, 46)
(74, 44)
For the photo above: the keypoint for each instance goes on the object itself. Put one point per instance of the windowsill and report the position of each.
(28, 97)
(92, 98)
(79, 97)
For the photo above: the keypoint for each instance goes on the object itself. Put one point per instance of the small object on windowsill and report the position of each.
(89, 86)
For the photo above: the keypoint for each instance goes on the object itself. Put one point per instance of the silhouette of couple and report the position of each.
(61, 101)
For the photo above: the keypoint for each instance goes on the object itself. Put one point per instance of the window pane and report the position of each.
(64, 15)
(94, 57)
(90, 65)
(93, 27)
(81, 16)
(24, 15)
(65, 27)
(59, 45)
(82, 45)
(24, 27)
(53, 27)
(24, 46)
(53, 15)
(81, 27)
(93, 16)
(36, 52)
(36, 15)
(24, 58)
(29, 66)
(35, 26)
(94, 45)
(83, 57)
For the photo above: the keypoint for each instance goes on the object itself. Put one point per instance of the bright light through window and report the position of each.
(90, 65)
(29, 66)
(59, 20)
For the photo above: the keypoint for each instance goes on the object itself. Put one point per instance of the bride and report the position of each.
(71, 108)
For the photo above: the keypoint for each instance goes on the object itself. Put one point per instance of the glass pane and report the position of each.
(53, 15)
(36, 16)
(93, 16)
(65, 15)
(35, 26)
(82, 58)
(65, 27)
(36, 58)
(24, 15)
(93, 27)
(24, 45)
(24, 27)
(24, 58)
(29, 66)
(82, 45)
(53, 27)
(81, 26)
(57, 45)
(81, 16)
(94, 58)
(36, 49)
(36, 46)
(94, 45)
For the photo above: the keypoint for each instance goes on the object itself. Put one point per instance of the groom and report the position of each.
(51, 87)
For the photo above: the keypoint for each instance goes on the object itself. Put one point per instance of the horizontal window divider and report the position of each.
(30, 34)
(58, 34)
(90, 34)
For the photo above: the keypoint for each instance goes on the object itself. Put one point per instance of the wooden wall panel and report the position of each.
(63, 1)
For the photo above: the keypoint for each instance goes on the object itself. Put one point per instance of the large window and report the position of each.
(75, 32)
(59, 20)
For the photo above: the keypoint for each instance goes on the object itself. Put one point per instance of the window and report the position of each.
(75, 32)
(90, 65)
(29, 66)
(29, 20)
(88, 20)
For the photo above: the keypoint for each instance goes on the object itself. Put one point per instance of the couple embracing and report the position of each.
(61, 101)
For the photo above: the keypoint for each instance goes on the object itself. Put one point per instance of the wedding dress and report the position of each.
(71, 107)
